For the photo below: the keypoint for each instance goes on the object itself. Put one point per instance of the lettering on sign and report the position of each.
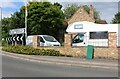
(17, 31)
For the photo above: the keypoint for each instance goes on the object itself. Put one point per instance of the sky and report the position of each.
(107, 9)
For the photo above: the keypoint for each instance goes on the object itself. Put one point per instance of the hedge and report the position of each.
(28, 50)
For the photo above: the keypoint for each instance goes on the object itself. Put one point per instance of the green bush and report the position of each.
(3, 42)
(28, 50)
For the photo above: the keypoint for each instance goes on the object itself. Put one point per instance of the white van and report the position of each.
(45, 40)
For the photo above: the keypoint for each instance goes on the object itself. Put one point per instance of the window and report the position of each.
(41, 40)
(78, 26)
(99, 35)
(50, 38)
(78, 38)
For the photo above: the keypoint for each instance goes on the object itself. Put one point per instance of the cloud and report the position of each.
(7, 5)
(83, 0)
(107, 10)
(12, 0)
(6, 14)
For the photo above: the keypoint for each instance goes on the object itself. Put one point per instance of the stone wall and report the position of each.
(81, 52)
(67, 40)
(36, 41)
(82, 15)
(112, 40)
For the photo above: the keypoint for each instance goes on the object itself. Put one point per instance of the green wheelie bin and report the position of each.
(90, 52)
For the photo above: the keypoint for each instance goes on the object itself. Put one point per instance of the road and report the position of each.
(13, 67)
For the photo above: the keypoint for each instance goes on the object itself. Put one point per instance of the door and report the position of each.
(79, 40)
(42, 42)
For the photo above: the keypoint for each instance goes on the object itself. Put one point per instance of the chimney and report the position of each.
(91, 11)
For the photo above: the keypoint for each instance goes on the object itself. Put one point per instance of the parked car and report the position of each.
(45, 40)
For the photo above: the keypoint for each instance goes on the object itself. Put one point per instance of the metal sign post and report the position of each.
(12, 41)
(22, 39)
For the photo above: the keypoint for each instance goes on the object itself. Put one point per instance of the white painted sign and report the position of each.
(18, 38)
(21, 38)
(17, 31)
(10, 38)
(14, 38)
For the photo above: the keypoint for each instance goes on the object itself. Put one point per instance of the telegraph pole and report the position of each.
(26, 20)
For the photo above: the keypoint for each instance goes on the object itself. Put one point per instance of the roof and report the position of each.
(100, 22)
(84, 26)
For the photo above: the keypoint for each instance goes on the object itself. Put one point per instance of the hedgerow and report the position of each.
(28, 50)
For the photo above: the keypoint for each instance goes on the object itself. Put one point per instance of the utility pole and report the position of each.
(26, 20)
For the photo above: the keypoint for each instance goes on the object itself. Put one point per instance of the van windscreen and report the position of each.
(50, 38)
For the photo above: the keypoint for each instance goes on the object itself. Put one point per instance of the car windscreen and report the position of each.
(50, 38)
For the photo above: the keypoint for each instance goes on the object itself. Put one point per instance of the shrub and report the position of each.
(28, 50)
(3, 42)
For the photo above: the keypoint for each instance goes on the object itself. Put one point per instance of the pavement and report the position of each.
(72, 61)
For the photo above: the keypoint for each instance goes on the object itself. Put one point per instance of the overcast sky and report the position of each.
(107, 9)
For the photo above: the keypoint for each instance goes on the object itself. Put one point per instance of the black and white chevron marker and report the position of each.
(14, 38)
(8, 38)
(22, 38)
(18, 38)
(11, 38)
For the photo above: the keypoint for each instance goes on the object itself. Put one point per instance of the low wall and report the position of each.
(81, 52)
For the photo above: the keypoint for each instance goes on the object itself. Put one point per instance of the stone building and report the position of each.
(82, 15)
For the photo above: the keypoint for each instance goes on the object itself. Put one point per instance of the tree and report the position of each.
(5, 27)
(71, 9)
(96, 14)
(86, 8)
(44, 18)
(116, 18)
(17, 20)
(58, 5)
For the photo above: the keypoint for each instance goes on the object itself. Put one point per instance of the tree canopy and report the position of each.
(116, 18)
(43, 18)
(71, 9)
(6, 27)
